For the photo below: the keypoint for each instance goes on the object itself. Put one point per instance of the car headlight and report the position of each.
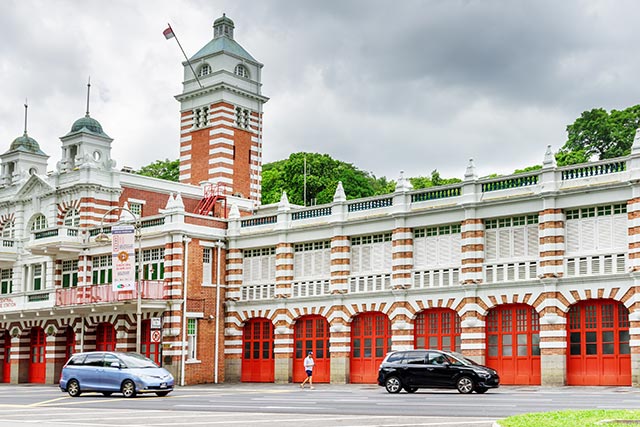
(484, 375)
(148, 377)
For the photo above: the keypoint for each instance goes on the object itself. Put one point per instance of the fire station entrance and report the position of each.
(257, 351)
(105, 337)
(513, 343)
(598, 338)
(437, 328)
(312, 334)
(37, 353)
(147, 346)
(370, 342)
(6, 357)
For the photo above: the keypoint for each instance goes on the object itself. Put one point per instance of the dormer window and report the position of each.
(242, 71)
(8, 230)
(72, 218)
(38, 222)
(205, 70)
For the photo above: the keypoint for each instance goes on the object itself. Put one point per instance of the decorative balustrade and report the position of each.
(55, 232)
(152, 222)
(311, 213)
(436, 278)
(587, 170)
(370, 283)
(96, 294)
(6, 243)
(264, 220)
(370, 204)
(510, 272)
(437, 193)
(257, 292)
(310, 288)
(38, 296)
(512, 182)
(595, 265)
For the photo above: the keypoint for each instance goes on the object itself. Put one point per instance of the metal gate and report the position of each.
(437, 328)
(312, 334)
(37, 353)
(513, 343)
(370, 342)
(6, 357)
(257, 351)
(598, 339)
(105, 337)
(148, 347)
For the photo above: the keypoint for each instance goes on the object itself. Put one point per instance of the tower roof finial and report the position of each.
(26, 106)
(88, 92)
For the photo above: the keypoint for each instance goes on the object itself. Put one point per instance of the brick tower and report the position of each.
(221, 116)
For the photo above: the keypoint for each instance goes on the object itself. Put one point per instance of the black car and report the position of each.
(414, 369)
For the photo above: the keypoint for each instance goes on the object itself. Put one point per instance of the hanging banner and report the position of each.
(123, 242)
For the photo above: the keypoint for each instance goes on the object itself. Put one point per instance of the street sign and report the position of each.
(155, 336)
(156, 323)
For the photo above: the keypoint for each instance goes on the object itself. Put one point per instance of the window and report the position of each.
(136, 208)
(259, 265)
(200, 117)
(205, 70)
(511, 238)
(8, 230)
(192, 338)
(312, 259)
(101, 269)
(206, 266)
(6, 281)
(38, 222)
(37, 281)
(72, 218)
(596, 228)
(437, 246)
(152, 264)
(371, 253)
(69, 273)
(241, 71)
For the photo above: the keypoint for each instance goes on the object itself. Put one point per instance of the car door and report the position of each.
(440, 371)
(415, 369)
(112, 375)
(92, 370)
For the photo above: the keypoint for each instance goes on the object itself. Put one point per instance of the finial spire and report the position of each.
(26, 106)
(88, 92)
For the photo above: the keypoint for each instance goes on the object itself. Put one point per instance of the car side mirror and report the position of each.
(115, 365)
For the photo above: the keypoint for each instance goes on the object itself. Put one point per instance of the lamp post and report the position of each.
(104, 238)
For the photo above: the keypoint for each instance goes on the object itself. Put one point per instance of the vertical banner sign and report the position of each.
(124, 258)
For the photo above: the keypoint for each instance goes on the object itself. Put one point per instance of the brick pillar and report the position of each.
(340, 264)
(402, 255)
(125, 326)
(172, 345)
(633, 214)
(57, 273)
(84, 270)
(339, 345)
(634, 328)
(51, 355)
(283, 347)
(284, 270)
(552, 243)
(234, 274)
(473, 334)
(232, 343)
(472, 243)
(553, 338)
(401, 325)
(20, 352)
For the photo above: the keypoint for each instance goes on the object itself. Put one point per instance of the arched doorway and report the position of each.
(37, 358)
(6, 357)
(257, 351)
(598, 339)
(70, 342)
(147, 347)
(513, 343)
(437, 328)
(370, 342)
(105, 337)
(312, 334)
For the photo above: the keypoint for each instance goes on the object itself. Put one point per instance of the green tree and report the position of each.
(433, 181)
(163, 169)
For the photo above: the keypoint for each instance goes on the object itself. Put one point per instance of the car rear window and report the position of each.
(395, 357)
(94, 359)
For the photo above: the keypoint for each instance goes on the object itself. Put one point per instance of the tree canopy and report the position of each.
(163, 169)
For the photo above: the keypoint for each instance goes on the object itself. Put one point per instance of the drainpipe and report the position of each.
(185, 275)
(219, 246)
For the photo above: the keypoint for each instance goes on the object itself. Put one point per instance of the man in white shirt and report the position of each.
(308, 367)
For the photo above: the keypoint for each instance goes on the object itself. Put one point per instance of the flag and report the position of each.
(168, 33)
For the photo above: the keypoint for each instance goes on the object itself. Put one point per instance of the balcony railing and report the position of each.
(595, 265)
(100, 294)
(436, 278)
(310, 288)
(510, 272)
(370, 283)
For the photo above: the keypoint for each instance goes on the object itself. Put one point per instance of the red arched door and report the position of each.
(437, 328)
(598, 338)
(105, 337)
(70, 342)
(513, 344)
(6, 357)
(312, 334)
(147, 347)
(37, 360)
(370, 342)
(257, 351)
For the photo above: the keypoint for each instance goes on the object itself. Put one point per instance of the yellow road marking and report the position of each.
(44, 402)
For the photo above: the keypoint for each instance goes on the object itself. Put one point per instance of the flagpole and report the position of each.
(185, 55)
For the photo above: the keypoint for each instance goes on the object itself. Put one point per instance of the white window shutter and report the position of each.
(431, 244)
(444, 250)
(387, 253)
(355, 259)
(246, 270)
(365, 265)
(518, 242)
(620, 232)
(504, 243)
(587, 234)
(297, 264)
(456, 249)
(490, 245)
(573, 236)
(533, 240)
(419, 252)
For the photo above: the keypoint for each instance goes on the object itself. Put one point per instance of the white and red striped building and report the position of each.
(533, 274)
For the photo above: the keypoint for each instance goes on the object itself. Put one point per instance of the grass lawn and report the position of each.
(573, 419)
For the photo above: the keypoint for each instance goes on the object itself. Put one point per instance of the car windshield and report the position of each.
(459, 359)
(135, 360)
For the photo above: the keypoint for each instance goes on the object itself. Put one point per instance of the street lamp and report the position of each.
(103, 238)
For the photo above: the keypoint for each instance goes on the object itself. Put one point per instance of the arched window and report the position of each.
(72, 218)
(38, 222)
(242, 71)
(8, 230)
(204, 70)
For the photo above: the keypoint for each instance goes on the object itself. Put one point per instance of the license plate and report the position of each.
(163, 385)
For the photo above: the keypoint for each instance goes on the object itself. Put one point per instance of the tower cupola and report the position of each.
(223, 27)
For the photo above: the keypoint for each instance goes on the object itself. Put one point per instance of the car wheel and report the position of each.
(128, 389)
(393, 385)
(107, 393)
(73, 388)
(465, 385)
(162, 393)
(481, 390)
(411, 389)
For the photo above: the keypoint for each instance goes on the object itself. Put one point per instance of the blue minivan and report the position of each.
(110, 372)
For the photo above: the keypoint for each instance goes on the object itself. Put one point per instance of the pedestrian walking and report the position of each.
(309, 363)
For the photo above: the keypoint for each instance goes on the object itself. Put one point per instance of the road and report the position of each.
(271, 405)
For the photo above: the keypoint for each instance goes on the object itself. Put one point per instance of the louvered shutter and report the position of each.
(605, 233)
(419, 252)
(491, 250)
(326, 262)
(504, 243)
(587, 234)
(432, 250)
(444, 250)
(246, 270)
(573, 236)
(365, 259)
(271, 268)
(456, 249)
(620, 232)
(377, 251)
(518, 242)
(297, 264)
(355, 258)
(533, 240)
(387, 254)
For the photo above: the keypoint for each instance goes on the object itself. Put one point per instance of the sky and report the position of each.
(411, 86)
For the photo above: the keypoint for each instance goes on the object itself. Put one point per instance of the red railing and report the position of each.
(96, 294)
